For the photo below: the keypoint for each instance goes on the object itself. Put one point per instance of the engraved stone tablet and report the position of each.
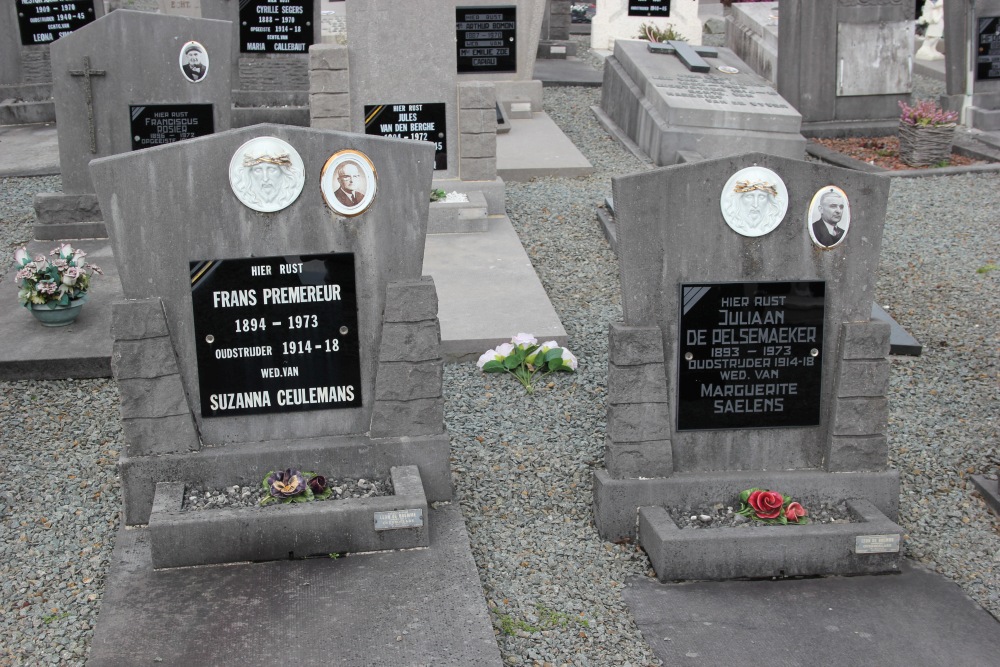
(421, 122)
(754, 201)
(829, 217)
(348, 182)
(988, 48)
(158, 124)
(276, 334)
(487, 39)
(399, 519)
(266, 174)
(750, 355)
(876, 544)
(276, 26)
(649, 8)
(194, 62)
(45, 21)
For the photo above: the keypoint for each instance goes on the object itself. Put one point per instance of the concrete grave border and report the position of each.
(180, 538)
(765, 551)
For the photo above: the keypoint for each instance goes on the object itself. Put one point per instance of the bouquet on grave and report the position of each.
(525, 359)
(771, 507)
(53, 282)
(294, 486)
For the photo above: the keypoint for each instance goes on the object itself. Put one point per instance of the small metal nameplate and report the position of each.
(399, 519)
(876, 544)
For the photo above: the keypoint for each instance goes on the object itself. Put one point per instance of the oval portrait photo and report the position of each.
(266, 174)
(829, 217)
(348, 182)
(194, 62)
(754, 201)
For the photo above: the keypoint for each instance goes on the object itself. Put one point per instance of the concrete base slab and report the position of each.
(29, 351)
(537, 147)
(487, 291)
(989, 489)
(415, 607)
(916, 618)
(570, 71)
(29, 150)
(456, 217)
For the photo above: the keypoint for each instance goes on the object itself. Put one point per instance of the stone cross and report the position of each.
(86, 73)
(691, 56)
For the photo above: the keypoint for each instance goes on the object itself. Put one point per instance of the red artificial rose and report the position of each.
(794, 512)
(766, 504)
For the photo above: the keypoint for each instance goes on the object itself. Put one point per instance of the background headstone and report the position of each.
(200, 218)
(613, 22)
(27, 30)
(270, 80)
(829, 76)
(133, 60)
(972, 61)
(672, 112)
(190, 8)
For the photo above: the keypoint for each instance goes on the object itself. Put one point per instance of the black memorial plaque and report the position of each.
(158, 124)
(421, 122)
(276, 26)
(45, 21)
(751, 355)
(988, 55)
(487, 39)
(649, 8)
(276, 334)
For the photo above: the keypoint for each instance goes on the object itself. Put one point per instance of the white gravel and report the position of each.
(523, 465)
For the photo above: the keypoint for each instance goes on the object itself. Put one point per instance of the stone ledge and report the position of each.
(766, 551)
(180, 539)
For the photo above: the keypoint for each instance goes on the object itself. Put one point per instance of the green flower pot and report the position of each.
(59, 316)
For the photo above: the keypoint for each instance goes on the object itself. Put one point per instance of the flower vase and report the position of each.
(58, 316)
(925, 145)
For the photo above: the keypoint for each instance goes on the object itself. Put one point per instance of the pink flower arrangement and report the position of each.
(926, 114)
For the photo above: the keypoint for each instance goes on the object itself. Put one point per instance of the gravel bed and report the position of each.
(249, 497)
(726, 516)
(523, 464)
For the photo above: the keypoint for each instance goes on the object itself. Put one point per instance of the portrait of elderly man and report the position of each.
(266, 178)
(351, 190)
(752, 207)
(194, 63)
(830, 228)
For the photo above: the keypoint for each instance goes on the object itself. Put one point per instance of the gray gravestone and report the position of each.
(746, 358)
(175, 341)
(972, 66)
(27, 30)
(830, 77)
(270, 57)
(752, 34)
(660, 103)
(109, 79)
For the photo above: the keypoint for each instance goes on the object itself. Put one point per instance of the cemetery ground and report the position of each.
(522, 465)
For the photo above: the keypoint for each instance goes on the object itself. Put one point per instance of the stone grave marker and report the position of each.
(752, 34)
(972, 62)
(270, 57)
(748, 358)
(621, 19)
(830, 78)
(678, 103)
(190, 8)
(130, 80)
(266, 326)
(27, 29)
(554, 41)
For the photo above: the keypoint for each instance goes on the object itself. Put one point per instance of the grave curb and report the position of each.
(990, 491)
(765, 551)
(823, 153)
(180, 539)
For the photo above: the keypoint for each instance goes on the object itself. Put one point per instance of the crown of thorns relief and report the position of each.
(280, 160)
(742, 187)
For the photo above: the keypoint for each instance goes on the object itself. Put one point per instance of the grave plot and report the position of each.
(27, 29)
(129, 81)
(972, 50)
(748, 359)
(679, 103)
(272, 328)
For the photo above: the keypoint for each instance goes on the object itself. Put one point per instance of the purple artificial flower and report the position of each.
(286, 483)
